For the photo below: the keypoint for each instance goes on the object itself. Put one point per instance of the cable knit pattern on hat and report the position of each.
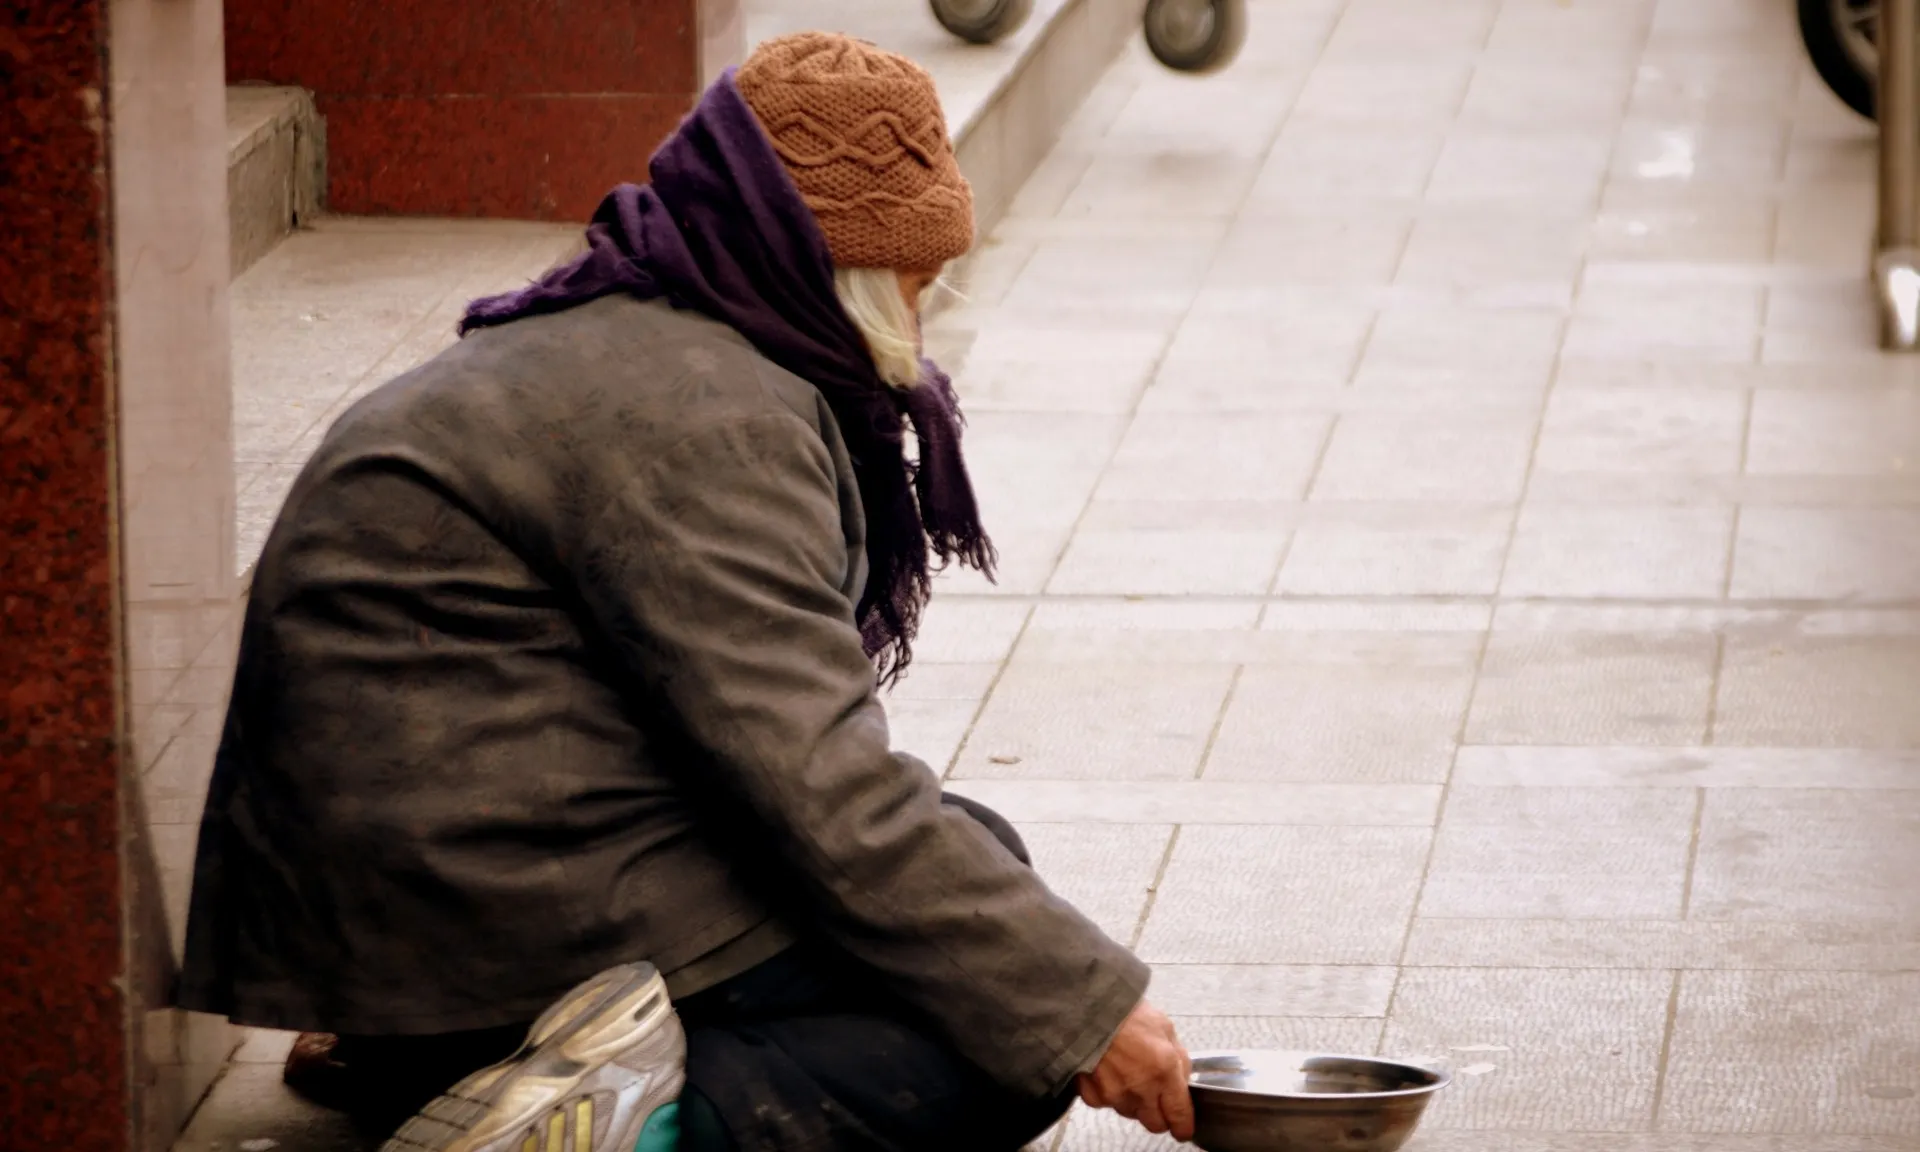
(861, 132)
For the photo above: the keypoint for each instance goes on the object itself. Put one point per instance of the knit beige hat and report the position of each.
(861, 132)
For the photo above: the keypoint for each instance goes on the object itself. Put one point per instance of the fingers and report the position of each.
(1177, 1108)
(1090, 1093)
(1180, 1114)
(1144, 1075)
(1147, 1114)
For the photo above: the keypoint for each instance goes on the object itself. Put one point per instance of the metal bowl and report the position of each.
(1258, 1101)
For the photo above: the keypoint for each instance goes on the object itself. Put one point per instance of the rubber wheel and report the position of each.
(982, 21)
(1840, 54)
(1197, 36)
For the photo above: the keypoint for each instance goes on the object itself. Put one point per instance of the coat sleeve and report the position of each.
(716, 569)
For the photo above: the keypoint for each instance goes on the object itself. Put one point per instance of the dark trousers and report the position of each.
(804, 1052)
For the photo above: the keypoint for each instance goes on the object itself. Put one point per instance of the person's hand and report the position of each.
(1144, 1074)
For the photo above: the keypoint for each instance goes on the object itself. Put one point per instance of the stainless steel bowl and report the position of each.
(1257, 1101)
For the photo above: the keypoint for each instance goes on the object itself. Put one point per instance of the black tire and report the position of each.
(1852, 79)
(1207, 48)
(982, 21)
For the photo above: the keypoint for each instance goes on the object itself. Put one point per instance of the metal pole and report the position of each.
(1897, 103)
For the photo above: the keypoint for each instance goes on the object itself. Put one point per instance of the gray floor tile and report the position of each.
(1569, 1050)
(1716, 767)
(1829, 224)
(1827, 554)
(1842, 308)
(1482, 245)
(1193, 182)
(1543, 163)
(958, 631)
(1112, 722)
(1343, 711)
(1093, 278)
(1444, 1140)
(1159, 562)
(1876, 946)
(1108, 387)
(1247, 895)
(930, 680)
(1239, 990)
(1568, 853)
(1856, 432)
(1415, 616)
(1725, 229)
(1398, 550)
(1353, 1035)
(1649, 552)
(1594, 338)
(249, 1103)
(1241, 456)
(1468, 458)
(1541, 93)
(1441, 342)
(1392, 92)
(1839, 691)
(1319, 159)
(1158, 115)
(1642, 429)
(1105, 870)
(1122, 614)
(1819, 1052)
(1207, 802)
(174, 787)
(1735, 153)
(1559, 688)
(1301, 245)
(930, 730)
(1223, 362)
(1813, 856)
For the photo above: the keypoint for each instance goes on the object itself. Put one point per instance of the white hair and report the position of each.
(872, 299)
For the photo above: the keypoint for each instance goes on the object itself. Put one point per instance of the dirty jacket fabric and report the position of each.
(550, 664)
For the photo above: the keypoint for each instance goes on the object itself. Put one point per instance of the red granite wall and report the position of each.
(65, 1083)
(527, 110)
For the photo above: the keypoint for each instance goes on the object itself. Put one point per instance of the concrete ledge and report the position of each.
(1005, 137)
(276, 167)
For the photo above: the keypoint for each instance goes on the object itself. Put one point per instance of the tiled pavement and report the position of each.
(1461, 584)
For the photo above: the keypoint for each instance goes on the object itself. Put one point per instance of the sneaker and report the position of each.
(594, 1068)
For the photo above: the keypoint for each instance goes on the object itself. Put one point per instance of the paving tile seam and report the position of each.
(993, 685)
(1214, 246)
(1153, 890)
(1219, 720)
(1753, 604)
(1700, 969)
(1717, 969)
(1712, 719)
(1446, 785)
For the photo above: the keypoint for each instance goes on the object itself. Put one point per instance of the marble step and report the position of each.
(276, 167)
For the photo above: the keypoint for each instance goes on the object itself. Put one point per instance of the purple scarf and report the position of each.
(722, 230)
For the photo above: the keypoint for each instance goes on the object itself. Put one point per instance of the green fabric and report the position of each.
(700, 1127)
(661, 1132)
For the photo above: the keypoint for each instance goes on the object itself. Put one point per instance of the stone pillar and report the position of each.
(117, 588)
(179, 592)
(528, 110)
(61, 1005)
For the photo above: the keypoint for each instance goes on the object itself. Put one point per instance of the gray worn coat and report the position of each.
(550, 664)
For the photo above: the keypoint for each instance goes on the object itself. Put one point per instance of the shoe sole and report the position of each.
(580, 1034)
